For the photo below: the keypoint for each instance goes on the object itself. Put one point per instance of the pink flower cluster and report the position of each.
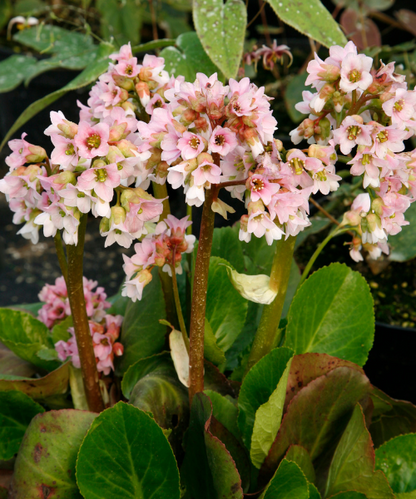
(163, 248)
(91, 161)
(368, 114)
(104, 336)
(105, 328)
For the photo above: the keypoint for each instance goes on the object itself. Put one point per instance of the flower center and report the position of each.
(399, 105)
(383, 136)
(257, 184)
(297, 164)
(354, 76)
(70, 150)
(366, 159)
(129, 70)
(321, 176)
(93, 141)
(353, 132)
(219, 140)
(194, 142)
(101, 175)
(104, 342)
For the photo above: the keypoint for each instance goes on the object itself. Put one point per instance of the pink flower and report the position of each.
(190, 145)
(261, 188)
(351, 133)
(24, 152)
(92, 141)
(222, 141)
(102, 179)
(355, 72)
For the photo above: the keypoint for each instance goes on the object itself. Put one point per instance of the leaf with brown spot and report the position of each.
(318, 415)
(309, 366)
(45, 466)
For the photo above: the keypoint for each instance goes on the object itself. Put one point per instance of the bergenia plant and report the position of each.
(259, 399)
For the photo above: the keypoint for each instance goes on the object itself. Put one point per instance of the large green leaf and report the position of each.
(352, 466)
(293, 95)
(309, 366)
(390, 418)
(14, 70)
(208, 469)
(225, 411)
(12, 365)
(397, 459)
(258, 387)
(25, 336)
(87, 76)
(125, 454)
(287, 483)
(54, 383)
(212, 351)
(221, 29)
(267, 421)
(226, 308)
(177, 64)
(300, 456)
(311, 18)
(225, 244)
(403, 244)
(318, 415)
(16, 412)
(160, 393)
(120, 20)
(45, 466)
(195, 54)
(142, 335)
(68, 49)
(332, 313)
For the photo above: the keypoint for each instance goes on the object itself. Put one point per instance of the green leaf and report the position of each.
(177, 64)
(212, 351)
(226, 308)
(403, 244)
(25, 336)
(120, 20)
(14, 70)
(267, 421)
(311, 18)
(154, 44)
(60, 330)
(16, 412)
(318, 415)
(161, 393)
(287, 483)
(128, 452)
(349, 495)
(300, 456)
(161, 362)
(397, 460)
(309, 366)
(352, 466)
(314, 493)
(221, 29)
(118, 304)
(5, 12)
(12, 365)
(195, 55)
(141, 333)
(293, 95)
(390, 418)
(209, 470)
(258, 387)
(225, 244)
(68, 49)
(332, 313)
(225, 411)
(54, 383)
(87, 76)
(45, 465)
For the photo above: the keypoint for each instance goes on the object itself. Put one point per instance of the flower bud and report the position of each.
(37, 154)
(123, 82)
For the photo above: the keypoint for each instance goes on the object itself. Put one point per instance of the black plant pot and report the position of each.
(391, 365)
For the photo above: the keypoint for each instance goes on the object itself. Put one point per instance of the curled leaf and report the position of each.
(255, 288)
(180, 356)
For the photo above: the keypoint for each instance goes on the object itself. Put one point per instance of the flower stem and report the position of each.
(79, 315)
(199, 296)
(266, 335)
(161, 192)
(59, 247)
(338, 230)
(182, 325)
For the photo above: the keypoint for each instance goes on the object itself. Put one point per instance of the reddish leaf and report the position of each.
(353, 27)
